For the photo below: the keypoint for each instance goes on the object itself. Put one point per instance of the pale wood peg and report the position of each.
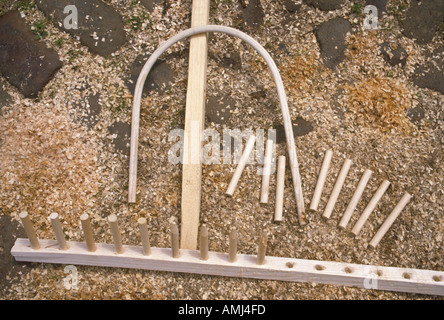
(268, 159)
(87, 230)
(29, 229)
(321, 180)
(390, 219)
(114, 225)
(58, 230)
(175, 252)
(203, 242)
(232, 246)
(145, 236)
(337, 189)
(262, 248)
(280, 185)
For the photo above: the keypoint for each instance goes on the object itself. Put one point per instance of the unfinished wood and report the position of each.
(355, 198)
(275, 268)
(262, 248)
(87, 231)
(321, 180)
(194, 125)
(268, 159)
(115, 232)
(390, 219)
(203, 242)
(58, 230)
(241, 165)
(337, 189)
(280, 186)
(175, 252)
(29, 229)
(370, 207)
(232, 246)
(145, 236)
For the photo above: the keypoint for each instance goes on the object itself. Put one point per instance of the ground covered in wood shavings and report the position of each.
(364, 109)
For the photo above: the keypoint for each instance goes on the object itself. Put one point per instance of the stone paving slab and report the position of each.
(25, 62)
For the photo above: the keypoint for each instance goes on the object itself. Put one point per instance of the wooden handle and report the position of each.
(87, 231)
(29, 229)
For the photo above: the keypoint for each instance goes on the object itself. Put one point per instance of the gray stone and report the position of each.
(253, 14)
(218, 109)
(100, 27)
(416, 114)
(121, 142)
(430, 75)
(25, 62)
(331, 38)
(150, 4)
(159, 79)
(90, 108)
(423, 19)
(301, 127)
(291, 6)
(325, 5)
(394, 56)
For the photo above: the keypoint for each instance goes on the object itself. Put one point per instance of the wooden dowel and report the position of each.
(390, 219)
(266, 171)
(175, 252)
(117, 239)
(203, 242)
(241, 165)
(87, 231)
(321, 180)
(232, 246)
(355, 198)
(262, 248)
(337, 188)
(280, 185)
(370, 207)
(145, 236)
(29, 229)
(58, 230)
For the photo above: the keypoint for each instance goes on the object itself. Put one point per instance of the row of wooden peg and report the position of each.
(280, 181)
(144, 234)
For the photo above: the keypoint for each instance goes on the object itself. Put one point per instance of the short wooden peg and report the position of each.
(29, 229)
(145, 236)
(232, 246)
(175, 253)
(87, 231)
(337, 189)
(114, 225)
(370, 207)
(321, 180)
(280, 185)
(268, 159)
(241, 165)
(203, 242)
(390, 219)
(58, 230)
(262, 248)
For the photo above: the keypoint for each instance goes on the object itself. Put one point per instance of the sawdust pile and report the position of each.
(47, 165)
(379, 101)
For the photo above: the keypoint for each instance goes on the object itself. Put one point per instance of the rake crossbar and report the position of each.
(246, 266)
